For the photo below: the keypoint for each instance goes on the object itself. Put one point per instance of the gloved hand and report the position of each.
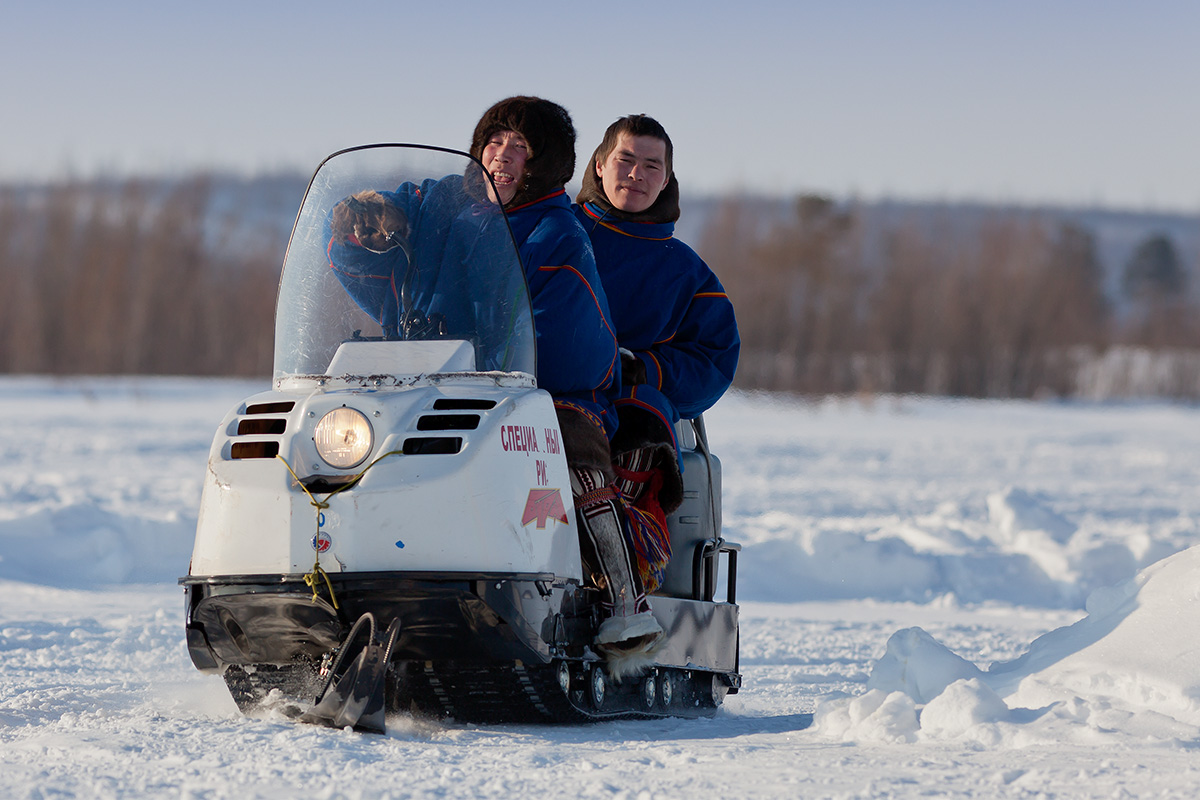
(371, 220)
(633, 371)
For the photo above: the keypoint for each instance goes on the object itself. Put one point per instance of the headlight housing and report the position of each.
(343, 438)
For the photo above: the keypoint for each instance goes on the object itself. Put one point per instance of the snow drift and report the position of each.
(1128, 668)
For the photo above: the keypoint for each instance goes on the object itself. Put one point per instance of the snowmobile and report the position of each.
(390, 528)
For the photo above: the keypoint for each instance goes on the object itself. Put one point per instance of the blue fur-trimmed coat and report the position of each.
(576, 340)
(670, 310)
(577, 356)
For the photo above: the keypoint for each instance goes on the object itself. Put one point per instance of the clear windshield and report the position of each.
(398, 242)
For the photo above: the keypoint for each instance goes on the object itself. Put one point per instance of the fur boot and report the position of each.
(629, 633)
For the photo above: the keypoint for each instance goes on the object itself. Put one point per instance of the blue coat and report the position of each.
(669, 310)
(578, 359)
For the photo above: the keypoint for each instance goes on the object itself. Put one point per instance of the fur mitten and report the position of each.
(370, 220)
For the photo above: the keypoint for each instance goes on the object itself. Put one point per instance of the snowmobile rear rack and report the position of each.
(705, 567)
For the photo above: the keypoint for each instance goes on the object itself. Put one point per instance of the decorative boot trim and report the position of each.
(602, 515)
(588, 500)
(635, 470)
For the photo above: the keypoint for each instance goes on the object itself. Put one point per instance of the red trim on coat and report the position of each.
(616, 349)
(599, 221)
(531, 202)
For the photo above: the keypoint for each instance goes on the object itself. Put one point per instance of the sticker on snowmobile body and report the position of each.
(543, 505)
(322, 540)
(525, 439)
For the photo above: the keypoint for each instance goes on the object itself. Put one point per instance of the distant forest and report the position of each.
(180, 276)
(967, 301)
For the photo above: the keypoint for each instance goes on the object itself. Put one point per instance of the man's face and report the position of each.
(635, 172)
(504, 156)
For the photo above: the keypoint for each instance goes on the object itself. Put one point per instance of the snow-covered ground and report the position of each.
(970, 599)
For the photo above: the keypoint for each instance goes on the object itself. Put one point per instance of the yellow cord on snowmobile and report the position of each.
(312, 579)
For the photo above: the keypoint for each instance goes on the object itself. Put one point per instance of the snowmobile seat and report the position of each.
(695, 527)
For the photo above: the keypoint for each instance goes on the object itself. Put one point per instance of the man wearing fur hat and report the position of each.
(527, 145)
(674, 322)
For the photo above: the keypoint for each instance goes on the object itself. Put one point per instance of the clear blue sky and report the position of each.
(1033, 102)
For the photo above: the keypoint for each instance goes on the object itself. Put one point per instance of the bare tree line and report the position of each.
(131, 278)
(1013, 307)
(141, 277)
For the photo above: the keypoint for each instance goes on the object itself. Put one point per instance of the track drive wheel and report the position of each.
(563, 673)
(666, 689)
(717, 691)
(597, 687)
(649, 690)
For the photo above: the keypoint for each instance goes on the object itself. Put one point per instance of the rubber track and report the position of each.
(488, 694)
(297, 683)
(531, 693)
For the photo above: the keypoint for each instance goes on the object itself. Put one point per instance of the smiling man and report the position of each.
(673, 320)
(634, 171)
(504, 156)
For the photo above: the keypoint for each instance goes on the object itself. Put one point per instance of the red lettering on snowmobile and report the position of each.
(543, 505)
(543, 479)
(520, 438)
(552, 441)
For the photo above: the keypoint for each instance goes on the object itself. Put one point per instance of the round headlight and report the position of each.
(343, 438)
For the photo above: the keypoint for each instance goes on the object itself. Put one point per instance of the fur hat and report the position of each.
(550, 134)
